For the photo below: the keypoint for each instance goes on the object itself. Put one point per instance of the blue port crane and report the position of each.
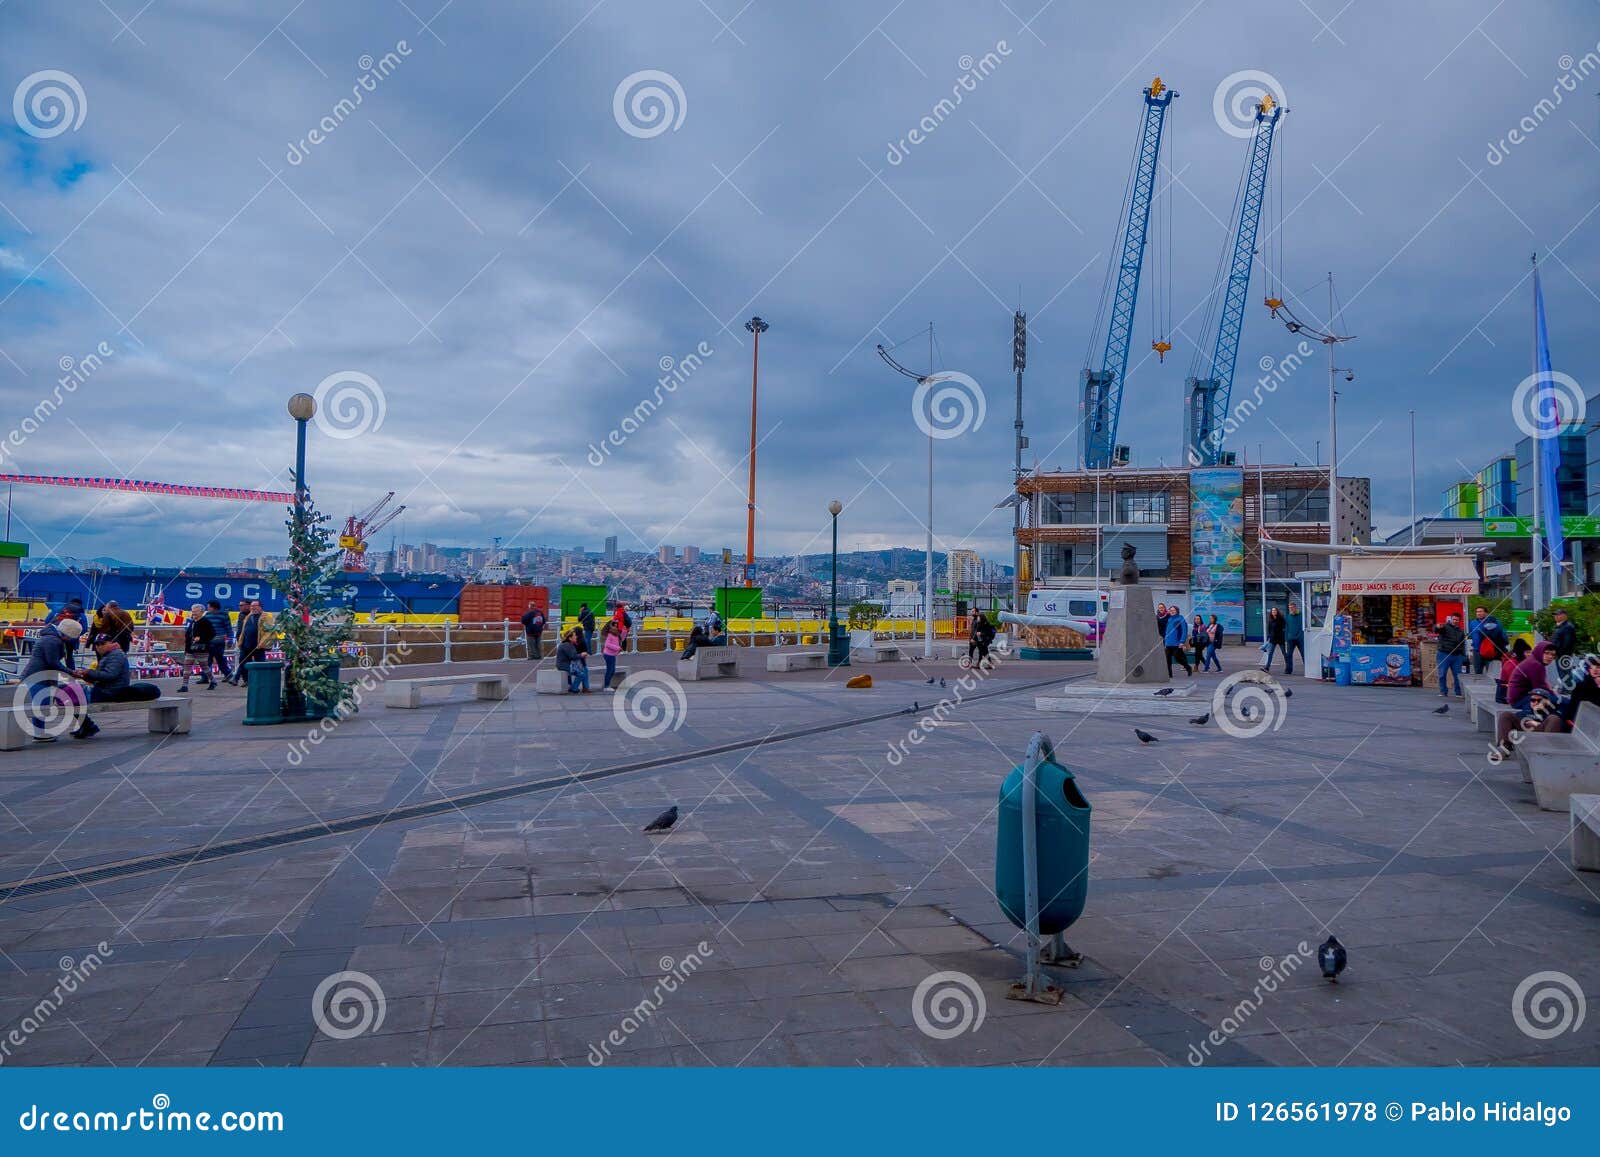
(1101, 403)
(1206, 399)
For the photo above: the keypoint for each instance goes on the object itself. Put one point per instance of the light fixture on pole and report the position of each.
(302, 408)
(757, 327)
(1413, 414)
(927, 584)
(838, 640)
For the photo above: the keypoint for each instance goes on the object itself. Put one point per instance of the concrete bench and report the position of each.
(1586, 832)
(797, 661)
(164, 717)
(1000, 646)
(880, 653)
(553, 681)
(709, 663)
(407, 693)
(1563, 764)
(1482, 710)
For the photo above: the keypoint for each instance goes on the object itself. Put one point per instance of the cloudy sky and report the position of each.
(501, 246)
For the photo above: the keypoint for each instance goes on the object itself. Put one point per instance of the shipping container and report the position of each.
(493, 604)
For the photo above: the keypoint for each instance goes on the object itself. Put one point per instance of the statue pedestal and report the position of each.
(1130, 650)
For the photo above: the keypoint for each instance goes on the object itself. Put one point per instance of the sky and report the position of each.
(484, 264)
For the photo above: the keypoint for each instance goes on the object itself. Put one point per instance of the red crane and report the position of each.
(358, 528)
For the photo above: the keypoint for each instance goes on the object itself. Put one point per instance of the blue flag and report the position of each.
(1548, 442)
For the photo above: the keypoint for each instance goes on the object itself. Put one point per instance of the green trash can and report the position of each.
(316, 708)
(1062, 822)
(263, 701)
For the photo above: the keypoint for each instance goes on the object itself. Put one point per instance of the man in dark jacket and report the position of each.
(1452, 652)
(1485, 627)
(222, 628)
(1565, 638)
(586, 621)
(533, 627)
(249, 638)
(108, 681)
(51, 661)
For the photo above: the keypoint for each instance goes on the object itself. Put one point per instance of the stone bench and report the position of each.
(1482, 710)
(1586, 832)
(553, 681)
(1561, 765)
(881, 653)
(164, 717)
(1000, 646)
(407, 693)
(709, 663)
(797, 661)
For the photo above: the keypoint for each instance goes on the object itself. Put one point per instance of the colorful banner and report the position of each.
(1216, 545)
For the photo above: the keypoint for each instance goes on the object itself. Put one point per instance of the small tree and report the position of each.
(311, 637)
(1584, 611)
(863, 616)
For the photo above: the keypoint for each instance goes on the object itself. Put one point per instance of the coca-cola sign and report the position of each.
(1410, 587)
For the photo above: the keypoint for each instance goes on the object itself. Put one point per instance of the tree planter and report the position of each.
(263, 702)
(299, 708)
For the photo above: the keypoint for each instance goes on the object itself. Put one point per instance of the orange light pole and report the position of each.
(758, 327)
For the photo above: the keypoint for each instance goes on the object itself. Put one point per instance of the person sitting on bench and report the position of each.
(706, 636)
(108, 681)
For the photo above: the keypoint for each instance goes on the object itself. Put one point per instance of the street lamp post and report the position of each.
(838, 641)
(757, 327)
(302, 408)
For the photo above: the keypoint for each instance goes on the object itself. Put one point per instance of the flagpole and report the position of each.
(1536, 555)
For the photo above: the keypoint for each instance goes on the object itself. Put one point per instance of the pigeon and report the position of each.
(1165, 691)
(1331, 958)
(1145, 736)
(1288, 694)
(930, 678)
(941, 680)
(664, 821)
(1445, 710)
(1201, 720)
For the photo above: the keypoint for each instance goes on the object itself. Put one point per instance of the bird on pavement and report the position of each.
(1201, 720)
(1445, 710)
(1165, 691)
(1288, 694)
(1331, 958)
(664, 821)
(941, 680)
(1145, 736)
(930, 678)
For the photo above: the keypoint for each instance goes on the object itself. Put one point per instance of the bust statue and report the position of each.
(1129, 574)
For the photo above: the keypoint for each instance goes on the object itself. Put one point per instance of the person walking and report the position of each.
(1452, 652)
(586, 621)
(570, 660)
(250, 645)
(221, 638)
(1294, 637)
(1213, 641)
(979, 638)
(51, 658)
(533, 628)
(1176, 632)
(1197, 639)
(1488, 639)
(1275, 639)
(610, 648)
(108, 680)
(197, 632)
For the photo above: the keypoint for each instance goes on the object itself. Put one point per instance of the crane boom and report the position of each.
(133, 484)
(1206, 399)
(1101, 404)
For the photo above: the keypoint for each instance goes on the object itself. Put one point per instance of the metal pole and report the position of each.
(1333, 435)
(758, 327)
(1037, 746)
(1261, 530)
(1536, 545)
(927, 572)
(1019, 359)
(1413, 414)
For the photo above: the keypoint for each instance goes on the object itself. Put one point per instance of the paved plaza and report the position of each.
(481, 867)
